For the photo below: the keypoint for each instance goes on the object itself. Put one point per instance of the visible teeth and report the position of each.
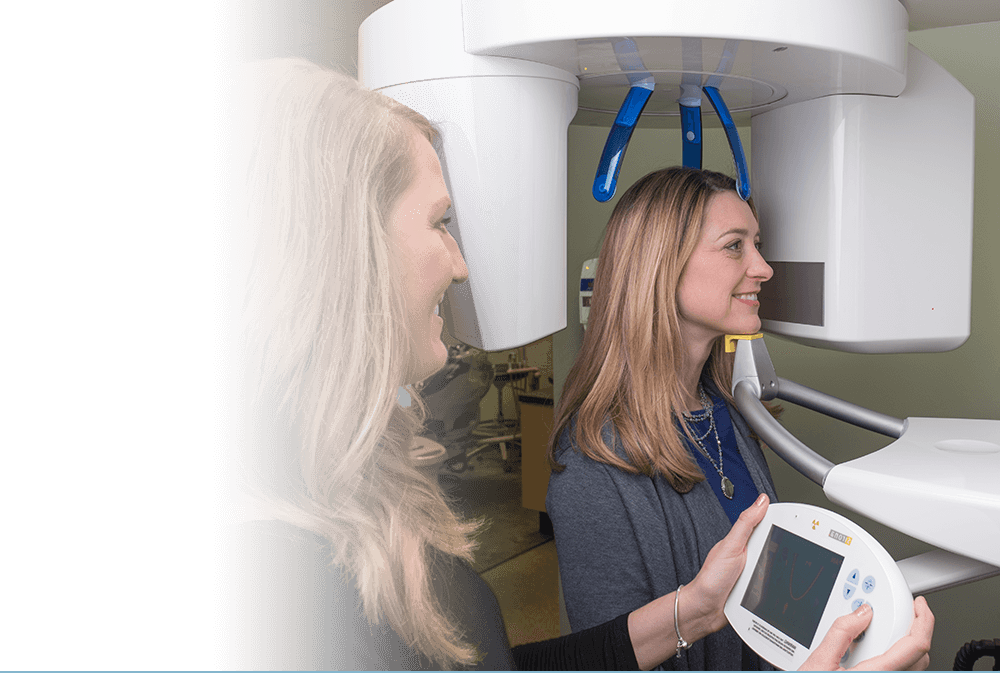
(750, 297)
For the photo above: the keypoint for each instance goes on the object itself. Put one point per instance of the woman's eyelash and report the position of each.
(737, 245)
(443, 223)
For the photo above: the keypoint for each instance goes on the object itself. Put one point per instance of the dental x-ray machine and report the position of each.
(836, 96)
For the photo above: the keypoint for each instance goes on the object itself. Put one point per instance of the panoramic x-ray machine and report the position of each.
(862, 152)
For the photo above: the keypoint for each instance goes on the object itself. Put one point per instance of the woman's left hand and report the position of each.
(909, 653)
(711, 586)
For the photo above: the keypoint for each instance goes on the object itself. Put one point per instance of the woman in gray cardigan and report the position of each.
(652, 463)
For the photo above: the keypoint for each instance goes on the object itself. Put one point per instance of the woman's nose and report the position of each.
(760, 268)
(459, 271)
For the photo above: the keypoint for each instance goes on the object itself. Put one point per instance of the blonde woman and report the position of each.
(346, 555)
(653, 464)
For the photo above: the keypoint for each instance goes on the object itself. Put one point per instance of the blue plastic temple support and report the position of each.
(690, 108)
(628, 115)
(614, 149)
(742, 175)
(689, 103)
(691, 135)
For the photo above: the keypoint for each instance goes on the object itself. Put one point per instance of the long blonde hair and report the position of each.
(627, 370)
(326, 346)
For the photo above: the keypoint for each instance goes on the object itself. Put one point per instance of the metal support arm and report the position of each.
(781, 441)
(754, 379)
(842, 410)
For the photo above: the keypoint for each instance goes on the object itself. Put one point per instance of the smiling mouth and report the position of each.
(747, 297)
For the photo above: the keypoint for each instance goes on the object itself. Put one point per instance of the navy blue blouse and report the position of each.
(733, 465)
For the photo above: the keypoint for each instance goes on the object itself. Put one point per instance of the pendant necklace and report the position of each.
(727, 486)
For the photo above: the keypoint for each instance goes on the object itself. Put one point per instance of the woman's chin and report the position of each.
(427, 361)
(746, 327)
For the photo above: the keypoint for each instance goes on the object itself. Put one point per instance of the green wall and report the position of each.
(964, 383)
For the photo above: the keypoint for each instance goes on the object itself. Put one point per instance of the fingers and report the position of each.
(923, 621)
(912, 651)
(738, 536)
(724, 564)
(921, 632)
(843, 631)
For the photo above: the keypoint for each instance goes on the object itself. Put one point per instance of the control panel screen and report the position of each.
(791, 584)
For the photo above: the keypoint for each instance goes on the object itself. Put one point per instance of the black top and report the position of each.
(293, 610)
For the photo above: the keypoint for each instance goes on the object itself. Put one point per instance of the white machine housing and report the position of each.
(502, 125)
(865, 206)
(854, 568)
(834, 111)
(937, 483)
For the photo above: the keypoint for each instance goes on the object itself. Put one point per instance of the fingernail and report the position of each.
(760, 499)
(861, 611)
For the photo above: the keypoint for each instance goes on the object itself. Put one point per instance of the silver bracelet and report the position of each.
(682, 644)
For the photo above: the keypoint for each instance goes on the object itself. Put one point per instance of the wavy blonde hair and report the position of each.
(326, 346)
(627, 369)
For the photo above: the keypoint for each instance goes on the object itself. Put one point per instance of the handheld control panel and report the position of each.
(806, 566)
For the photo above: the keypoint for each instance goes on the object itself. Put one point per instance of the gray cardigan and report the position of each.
(624, 540)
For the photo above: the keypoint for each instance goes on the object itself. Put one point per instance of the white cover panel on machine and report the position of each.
(503, 127)
(875, 193)
(937, 483)
(517, 252)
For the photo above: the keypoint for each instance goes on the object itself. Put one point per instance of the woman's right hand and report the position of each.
(701, 606)
(910, 653)
(711, 586)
